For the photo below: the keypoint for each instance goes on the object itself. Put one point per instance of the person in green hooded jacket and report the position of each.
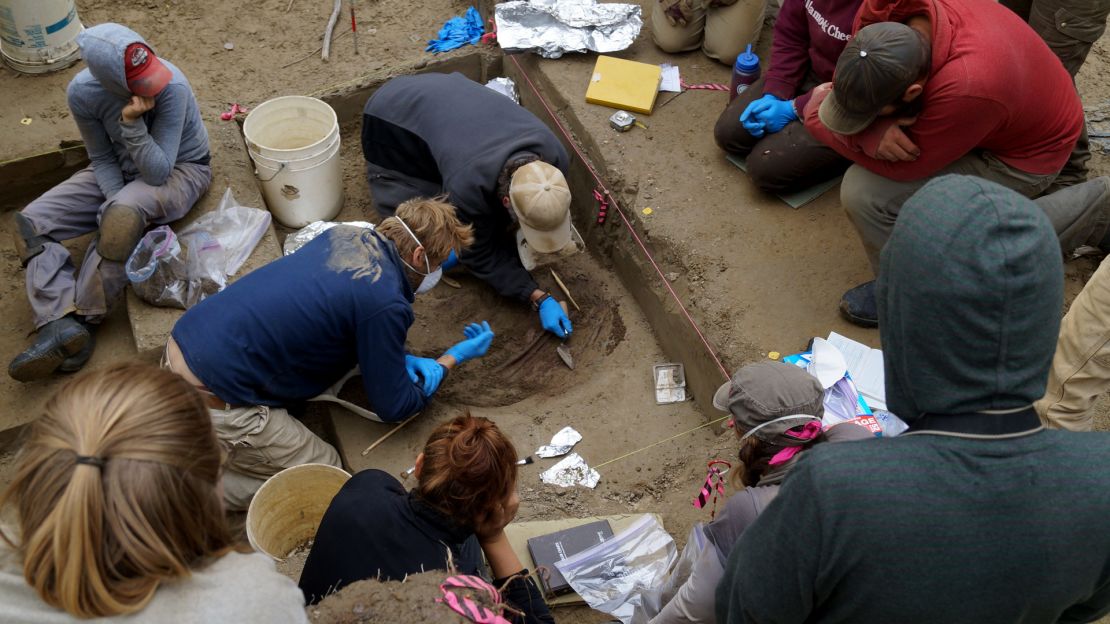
(977, 513)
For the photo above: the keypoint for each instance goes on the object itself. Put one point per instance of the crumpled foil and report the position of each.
(571, 470)
(300, 238)
(506, 87)
(552, 27)
(561, 443)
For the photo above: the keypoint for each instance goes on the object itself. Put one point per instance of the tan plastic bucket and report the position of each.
(287, 509)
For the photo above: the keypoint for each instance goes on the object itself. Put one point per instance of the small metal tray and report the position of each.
(670, 383)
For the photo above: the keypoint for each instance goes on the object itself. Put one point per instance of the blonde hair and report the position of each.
(435, 223)
(116, 491)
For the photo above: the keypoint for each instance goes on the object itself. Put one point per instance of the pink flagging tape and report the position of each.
(620, 212)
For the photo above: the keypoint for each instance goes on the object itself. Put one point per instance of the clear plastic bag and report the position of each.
(653, 599)
(219, 243)
(157, 270)
(180, 270)
(611, 576)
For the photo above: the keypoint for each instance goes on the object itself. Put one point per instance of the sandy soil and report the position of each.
(413, 600)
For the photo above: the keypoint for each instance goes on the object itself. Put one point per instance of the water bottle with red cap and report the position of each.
(744, 72)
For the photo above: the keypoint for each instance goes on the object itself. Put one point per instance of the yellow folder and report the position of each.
(622, 84)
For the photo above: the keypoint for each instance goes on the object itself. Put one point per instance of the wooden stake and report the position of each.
(391, 432)
(326, 50)
(566, 290)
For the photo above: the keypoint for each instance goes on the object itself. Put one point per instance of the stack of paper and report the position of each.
(865, 365)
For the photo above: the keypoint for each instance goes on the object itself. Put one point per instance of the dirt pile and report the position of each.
(372, 601)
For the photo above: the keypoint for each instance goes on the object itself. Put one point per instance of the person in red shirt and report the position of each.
(932, 87)
(809, 36)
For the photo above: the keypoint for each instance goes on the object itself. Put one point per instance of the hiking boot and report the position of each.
(859, 307)
(121, 227)
(77, 361)
(56, 341)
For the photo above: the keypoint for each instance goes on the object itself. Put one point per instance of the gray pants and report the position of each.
(1079, 213)
(73, 208)
(1069, 27)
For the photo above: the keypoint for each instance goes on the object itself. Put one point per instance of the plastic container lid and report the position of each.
(746, 61)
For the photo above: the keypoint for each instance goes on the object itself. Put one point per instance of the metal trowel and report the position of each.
(563, 350)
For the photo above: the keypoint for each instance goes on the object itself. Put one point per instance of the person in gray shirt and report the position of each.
(142, 129)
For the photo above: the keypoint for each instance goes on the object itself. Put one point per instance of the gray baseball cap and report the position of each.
(764, 391)
(875, 69)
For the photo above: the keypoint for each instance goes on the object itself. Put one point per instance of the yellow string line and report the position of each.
(677, 435)
(55, 151)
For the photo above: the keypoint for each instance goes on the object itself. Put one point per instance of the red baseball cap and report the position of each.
(146, 74)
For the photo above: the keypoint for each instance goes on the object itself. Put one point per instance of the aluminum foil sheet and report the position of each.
(551, 28)
(571, 470)
(506, 87)
(561, 443)
(300, 238)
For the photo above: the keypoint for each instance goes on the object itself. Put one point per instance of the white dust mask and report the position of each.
(431, 278)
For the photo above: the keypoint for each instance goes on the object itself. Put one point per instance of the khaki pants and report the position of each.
(722, 32)
(261, 441)
(1078, 213)
(1081, 367)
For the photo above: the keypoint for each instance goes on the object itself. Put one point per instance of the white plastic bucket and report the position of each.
(287, 509)
(39, 36)
(294, 143)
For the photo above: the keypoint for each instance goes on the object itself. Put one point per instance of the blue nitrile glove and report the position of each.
(429, 369)
(478, 338)
(554, 319)
(750, 122)
(773, 112)
(451, 262)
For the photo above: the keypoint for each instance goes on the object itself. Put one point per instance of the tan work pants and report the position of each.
(722, 31)
(1081, 367)
(261, 441)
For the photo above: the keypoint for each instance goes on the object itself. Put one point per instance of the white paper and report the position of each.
(670, 80)
(828, 364)
(866, 367)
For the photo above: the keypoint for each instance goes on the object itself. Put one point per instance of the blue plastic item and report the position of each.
(457, 32)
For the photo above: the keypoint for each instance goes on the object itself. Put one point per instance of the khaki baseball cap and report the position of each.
(540, 198)
(875, 69)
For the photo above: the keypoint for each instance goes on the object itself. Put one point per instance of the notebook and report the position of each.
(626, 85)
(552, 547)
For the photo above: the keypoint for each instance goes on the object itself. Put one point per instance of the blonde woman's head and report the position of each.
(116, 491)
(435, 222)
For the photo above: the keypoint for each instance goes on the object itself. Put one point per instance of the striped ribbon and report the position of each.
(706, 86)
(714, 486)
(457, 592)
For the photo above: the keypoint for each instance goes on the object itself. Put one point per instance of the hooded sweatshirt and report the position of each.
(170, 133)
(809, 37)
(450, 130)
(971, 516)
(993, 85)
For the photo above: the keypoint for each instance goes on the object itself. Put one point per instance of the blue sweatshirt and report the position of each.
(170, 133)
(289, 330)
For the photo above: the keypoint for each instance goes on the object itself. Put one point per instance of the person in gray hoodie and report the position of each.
(150, 163)
(977, 513)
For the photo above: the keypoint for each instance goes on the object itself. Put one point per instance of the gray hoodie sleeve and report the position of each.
(154, 150)
(109, 176)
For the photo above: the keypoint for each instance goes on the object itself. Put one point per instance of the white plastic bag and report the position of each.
(611, 576)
